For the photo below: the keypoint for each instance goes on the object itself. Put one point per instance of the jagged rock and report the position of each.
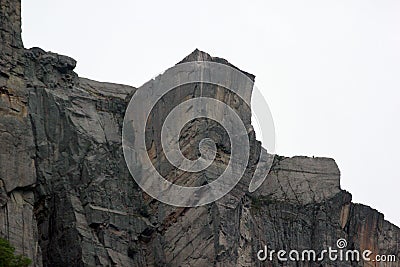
(68, 199)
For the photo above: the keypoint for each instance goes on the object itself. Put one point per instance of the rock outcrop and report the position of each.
(68, 199)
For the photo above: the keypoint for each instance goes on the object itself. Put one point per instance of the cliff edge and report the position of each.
(68, 199)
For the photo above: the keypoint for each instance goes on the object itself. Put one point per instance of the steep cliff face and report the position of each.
(68, 199)
(17, 148)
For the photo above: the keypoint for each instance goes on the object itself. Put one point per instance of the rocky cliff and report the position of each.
(68, 199)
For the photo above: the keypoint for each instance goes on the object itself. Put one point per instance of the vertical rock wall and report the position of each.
(67, 198)
(17, 148)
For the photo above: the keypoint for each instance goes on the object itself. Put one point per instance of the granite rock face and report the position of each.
(68, 199)
(17, 146)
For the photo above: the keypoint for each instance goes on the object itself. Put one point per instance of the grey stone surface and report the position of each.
(302, 180)
(68, 199)
(17, 149)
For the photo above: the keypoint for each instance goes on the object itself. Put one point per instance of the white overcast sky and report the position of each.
(330, 70)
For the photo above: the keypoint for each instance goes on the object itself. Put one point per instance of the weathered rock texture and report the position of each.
(67, 198)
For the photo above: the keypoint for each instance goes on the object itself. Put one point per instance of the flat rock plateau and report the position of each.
(68, 199)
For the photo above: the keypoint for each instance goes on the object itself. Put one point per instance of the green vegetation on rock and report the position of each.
(8, 258)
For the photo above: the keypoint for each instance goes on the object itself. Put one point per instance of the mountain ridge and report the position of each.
(68, 199)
